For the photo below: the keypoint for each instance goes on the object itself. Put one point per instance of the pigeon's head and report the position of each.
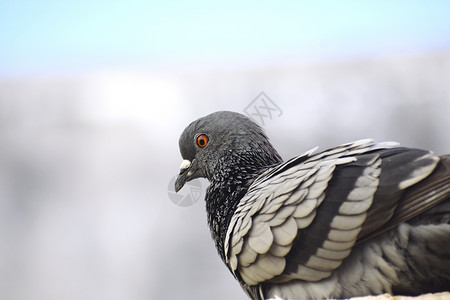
(221, 135)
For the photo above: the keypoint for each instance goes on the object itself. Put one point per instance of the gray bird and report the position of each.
(363, 218)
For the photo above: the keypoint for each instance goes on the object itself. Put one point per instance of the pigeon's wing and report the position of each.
(407, 199)
(300, 219)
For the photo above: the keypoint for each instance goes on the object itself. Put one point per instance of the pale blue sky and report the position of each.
(41, 36)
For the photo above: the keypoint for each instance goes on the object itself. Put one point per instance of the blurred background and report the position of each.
(94, 95)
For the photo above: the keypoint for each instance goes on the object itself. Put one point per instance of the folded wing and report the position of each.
(301, 219)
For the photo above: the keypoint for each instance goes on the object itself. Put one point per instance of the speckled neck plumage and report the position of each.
(233, 175)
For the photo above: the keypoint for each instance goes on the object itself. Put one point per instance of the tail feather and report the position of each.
(428, 258)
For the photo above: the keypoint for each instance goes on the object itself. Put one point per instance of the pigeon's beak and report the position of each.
(184, 174)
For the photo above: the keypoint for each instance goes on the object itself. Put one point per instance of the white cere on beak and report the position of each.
(185, 164)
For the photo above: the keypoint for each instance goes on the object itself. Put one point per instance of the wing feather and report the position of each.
(285, 234)
(260, 237)
(305, 221)
(280, 250)
(247, 256)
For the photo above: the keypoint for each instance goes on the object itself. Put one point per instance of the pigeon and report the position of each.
(362, 218)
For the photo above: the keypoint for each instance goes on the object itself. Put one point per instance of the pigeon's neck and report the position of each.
(233, 175)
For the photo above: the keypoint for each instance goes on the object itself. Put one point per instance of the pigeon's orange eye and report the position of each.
(202, 140)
